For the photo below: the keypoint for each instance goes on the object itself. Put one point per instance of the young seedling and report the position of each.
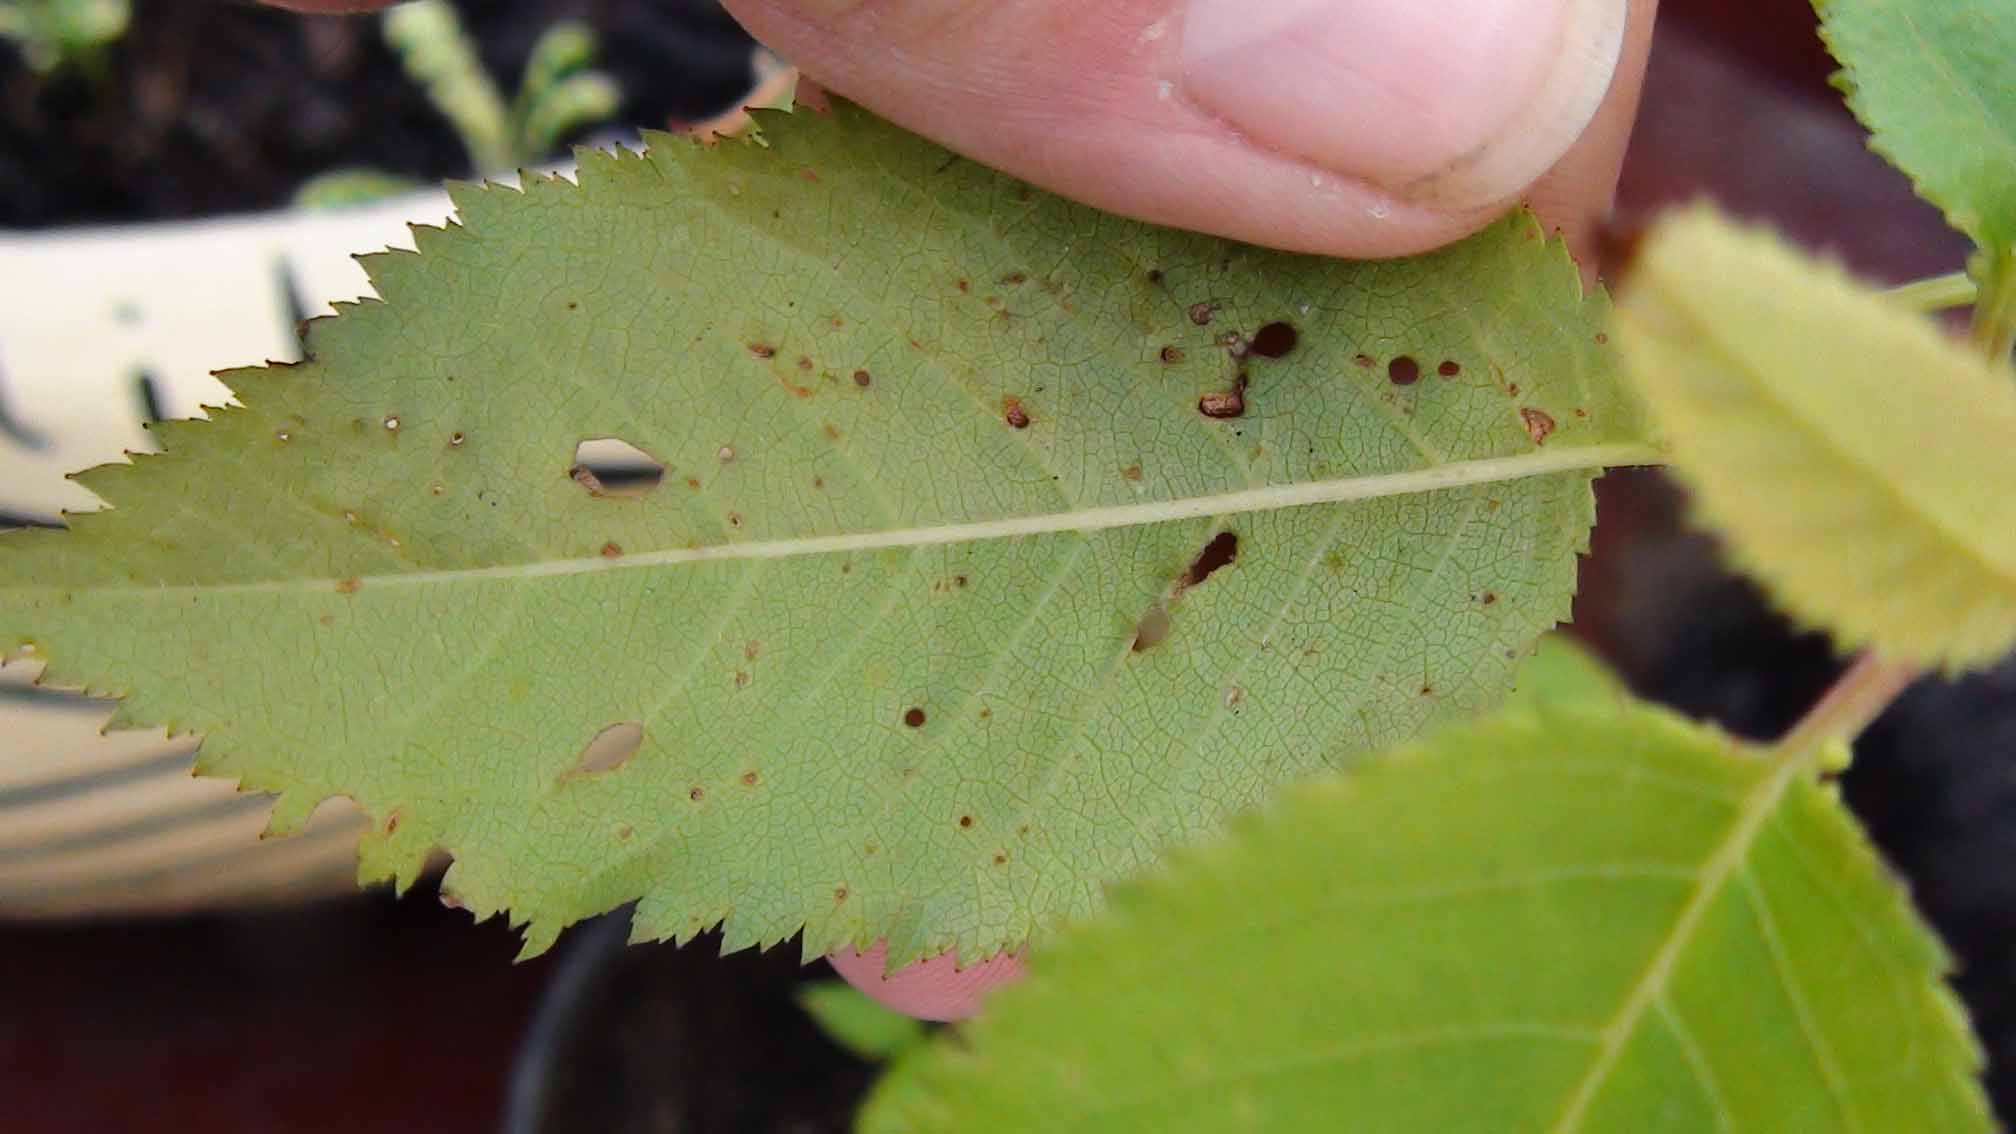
(59, 35)
(558, 96)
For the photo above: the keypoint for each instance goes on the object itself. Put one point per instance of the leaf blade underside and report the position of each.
(379, 578)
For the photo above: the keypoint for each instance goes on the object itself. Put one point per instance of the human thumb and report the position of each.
(1351, 127)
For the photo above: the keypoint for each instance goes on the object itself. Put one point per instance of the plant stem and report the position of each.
(1857, 698)
(1995, 309)
(1935, 293)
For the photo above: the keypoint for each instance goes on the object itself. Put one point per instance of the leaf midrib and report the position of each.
(1455, 474)
(1650, 987)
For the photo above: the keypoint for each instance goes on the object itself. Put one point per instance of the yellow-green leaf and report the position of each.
(1853, 456)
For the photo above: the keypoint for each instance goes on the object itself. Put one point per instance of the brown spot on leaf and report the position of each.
(697, 794)
(1015, 279)
(831, 431)
(624, 831)
(1274, 340)
(862, 379)
(349, 586)
(392, 821)
(1132, 472)
(1172, 354)
(1449, 368)
(914, 717)
(455, 440)
(963, 286)
(763, 350)
(965, 820)
(1364, 361)
(1403, 371)
(1013, 413)
(1602, 339)
(839, 893)
(749, 778)
(751, 648)
(1000, 858)
(612, 550)
(1538, 424)
(1488, 597)
(1154, 275)
(1200, 313)
(734, 519)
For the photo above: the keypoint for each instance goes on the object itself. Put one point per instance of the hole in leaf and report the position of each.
(609, 750)
(1225, 403)
(1274, 340)
(612, 467)
(1221, 551)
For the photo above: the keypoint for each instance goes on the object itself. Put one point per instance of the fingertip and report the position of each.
(932, 989)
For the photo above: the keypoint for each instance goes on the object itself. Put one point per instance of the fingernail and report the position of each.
(1451, 103)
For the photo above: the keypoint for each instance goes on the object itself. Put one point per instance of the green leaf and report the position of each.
(1564, 670)
(1854, 457)
(1936, 86)
(1574, 919)
(933, 463)
(857, 1022)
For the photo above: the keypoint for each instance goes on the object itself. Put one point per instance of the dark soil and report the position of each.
(217, 106)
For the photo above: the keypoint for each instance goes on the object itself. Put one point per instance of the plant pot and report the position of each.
(652, 1039)
(101, 329)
